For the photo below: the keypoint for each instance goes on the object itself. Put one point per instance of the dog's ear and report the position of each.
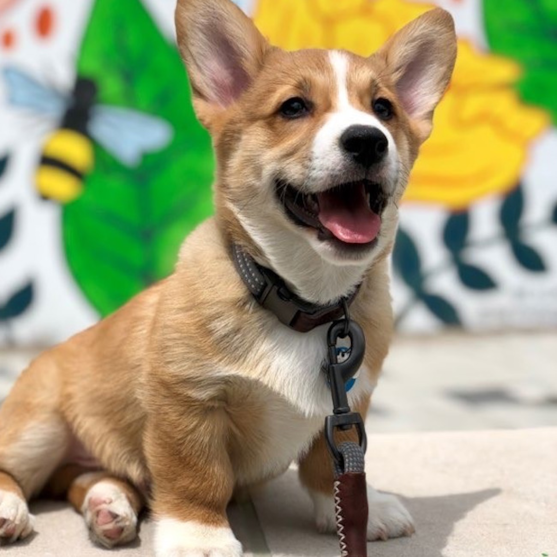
(420, 59)
(222, 50)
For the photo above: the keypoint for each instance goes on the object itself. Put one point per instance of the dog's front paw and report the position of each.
(15, 520)
(175, 538)
(388, 518)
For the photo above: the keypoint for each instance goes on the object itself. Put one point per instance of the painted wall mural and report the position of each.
(104, 169)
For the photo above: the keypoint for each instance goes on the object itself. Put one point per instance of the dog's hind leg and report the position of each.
(109, 505)
(33, 441)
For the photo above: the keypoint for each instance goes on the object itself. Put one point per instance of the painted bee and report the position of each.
(68, 154)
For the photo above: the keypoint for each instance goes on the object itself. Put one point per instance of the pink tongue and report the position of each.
(347, 215)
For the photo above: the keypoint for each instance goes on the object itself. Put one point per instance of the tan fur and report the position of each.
(177, 391)
(7, 483)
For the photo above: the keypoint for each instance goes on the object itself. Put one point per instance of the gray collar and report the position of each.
(271, 292)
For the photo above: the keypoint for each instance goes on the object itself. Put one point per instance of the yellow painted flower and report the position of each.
(482, 130)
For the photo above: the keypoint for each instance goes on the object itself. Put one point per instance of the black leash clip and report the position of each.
(338, 374)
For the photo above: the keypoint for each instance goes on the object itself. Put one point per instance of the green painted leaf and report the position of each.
(406, 260)
(456, 231)
(528, 257)
(526, 30)
(17, 303)
(124, 232)
(6, 228)
(511, 212)
(474, 278)
(442, 309)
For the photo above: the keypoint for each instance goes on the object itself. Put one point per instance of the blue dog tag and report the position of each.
(343, 353)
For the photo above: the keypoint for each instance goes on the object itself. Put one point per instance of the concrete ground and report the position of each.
(475, 493)
(468, 382)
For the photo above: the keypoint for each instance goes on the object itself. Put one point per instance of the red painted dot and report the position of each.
(45, 22)
(8, 39)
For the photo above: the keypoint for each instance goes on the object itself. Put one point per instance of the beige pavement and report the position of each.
(468, 382)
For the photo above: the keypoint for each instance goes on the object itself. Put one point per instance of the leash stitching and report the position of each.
(340, 519)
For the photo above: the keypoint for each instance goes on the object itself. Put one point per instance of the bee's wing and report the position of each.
(25, 92)
(128, 134)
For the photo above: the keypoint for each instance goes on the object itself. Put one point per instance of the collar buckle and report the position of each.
(276, 299)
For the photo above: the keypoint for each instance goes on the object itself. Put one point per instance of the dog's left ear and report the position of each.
(421, 58)
(222, 50)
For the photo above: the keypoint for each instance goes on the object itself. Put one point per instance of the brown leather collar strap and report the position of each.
(272, 293)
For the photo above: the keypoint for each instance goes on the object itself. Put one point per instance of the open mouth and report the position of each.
(349, 213)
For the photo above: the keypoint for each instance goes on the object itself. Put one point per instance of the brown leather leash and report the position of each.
(349, 489)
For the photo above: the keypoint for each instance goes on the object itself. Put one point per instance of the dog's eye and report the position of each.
(294, 108)
(383, 108)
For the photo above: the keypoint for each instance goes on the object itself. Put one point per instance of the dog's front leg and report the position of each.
(387, 516)
(192, 484)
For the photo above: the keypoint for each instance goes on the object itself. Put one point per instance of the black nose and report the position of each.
(366, 145)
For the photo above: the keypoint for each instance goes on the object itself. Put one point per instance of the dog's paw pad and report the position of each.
(109, 515)
(388, 518)
(16, 522)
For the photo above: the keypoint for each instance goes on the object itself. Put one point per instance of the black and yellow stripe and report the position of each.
(67, 156)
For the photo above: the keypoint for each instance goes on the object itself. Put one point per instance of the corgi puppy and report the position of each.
(192, 390)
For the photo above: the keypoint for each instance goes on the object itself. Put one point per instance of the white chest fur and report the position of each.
(294, 399)
(292, 365)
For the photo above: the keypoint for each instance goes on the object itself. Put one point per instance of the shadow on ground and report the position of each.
(289, 528)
